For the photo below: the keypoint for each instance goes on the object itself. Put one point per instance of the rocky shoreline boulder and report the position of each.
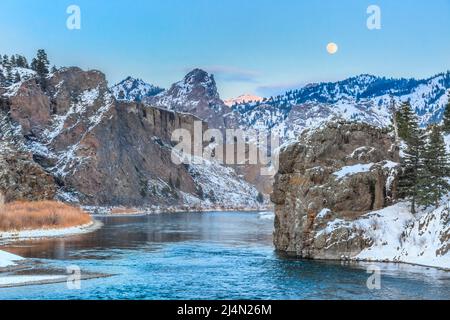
(338, 172)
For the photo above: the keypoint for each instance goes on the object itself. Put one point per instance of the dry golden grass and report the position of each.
(22, 215)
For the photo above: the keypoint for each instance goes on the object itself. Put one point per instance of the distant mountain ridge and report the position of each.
(245, 98)
(364, 98)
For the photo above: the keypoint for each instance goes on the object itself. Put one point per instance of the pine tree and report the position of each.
(405, 118)
(40, 64)
(260, 198)
(17, 77)
(13, 61)
(2, 79)
(411, 162)
(395, 118)
(9, 75)
(433, 184)
(5, 60)
(21, 61)
(446, 124)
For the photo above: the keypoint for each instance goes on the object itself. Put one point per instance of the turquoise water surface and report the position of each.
(209, 256)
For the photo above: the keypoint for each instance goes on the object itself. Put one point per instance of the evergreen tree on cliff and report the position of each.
(40, 64)
(433, 183)
(5, 61)
(2, 79)
(17, 77)
(406, 119)
(411, 161)
(446, 124)
(395, 118)
(22, 62)
(9, 75)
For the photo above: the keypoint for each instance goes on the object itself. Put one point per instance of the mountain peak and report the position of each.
(133, 89)
(197, 94)
(200, 77)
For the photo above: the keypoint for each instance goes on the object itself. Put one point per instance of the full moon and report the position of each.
(332, 48)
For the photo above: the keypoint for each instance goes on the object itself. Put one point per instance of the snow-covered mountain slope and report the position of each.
(363, 98)
(134, 90)
(245, 98)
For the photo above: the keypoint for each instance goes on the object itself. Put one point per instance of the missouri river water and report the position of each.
(209, 256)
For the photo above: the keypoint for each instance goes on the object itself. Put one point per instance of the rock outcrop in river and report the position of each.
(339, 172)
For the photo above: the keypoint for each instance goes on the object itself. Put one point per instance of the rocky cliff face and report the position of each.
(36, 184)
(337, 173)
(104, 152)
(20, 176)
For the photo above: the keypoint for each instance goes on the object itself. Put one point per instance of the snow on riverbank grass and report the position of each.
(12, 281)
(8, 259)
(50, 233)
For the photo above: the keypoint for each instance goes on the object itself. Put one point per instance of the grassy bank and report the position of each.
(22, 215)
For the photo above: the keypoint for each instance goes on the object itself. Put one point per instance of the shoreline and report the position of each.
(108, 211)
(37, 280)
(365, 260)
(49, 233)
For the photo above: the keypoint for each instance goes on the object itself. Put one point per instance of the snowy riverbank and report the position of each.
(399, 236)
(8, 259)
(49, 233)
(97, 210)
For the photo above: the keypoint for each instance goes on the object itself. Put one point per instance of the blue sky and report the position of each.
(252, 46)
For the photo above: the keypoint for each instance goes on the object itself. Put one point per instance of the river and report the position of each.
(221, 255)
